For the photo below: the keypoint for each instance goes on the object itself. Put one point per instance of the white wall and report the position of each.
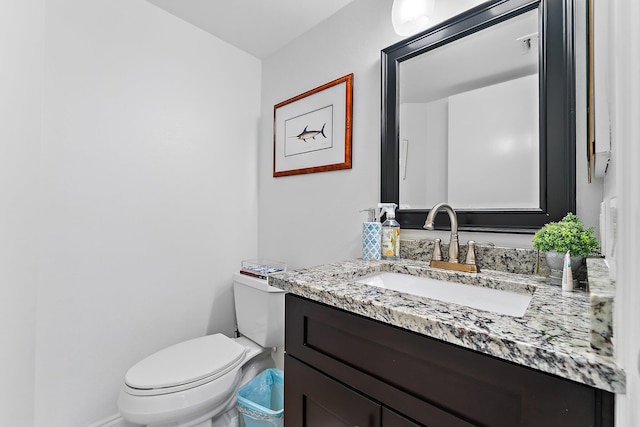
(424, 127)
(623, 184)
(588, 195)
(21, 43)
(315, 218)
(493, 137)
(149, 195)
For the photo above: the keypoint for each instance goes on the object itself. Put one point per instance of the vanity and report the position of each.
(361, 355)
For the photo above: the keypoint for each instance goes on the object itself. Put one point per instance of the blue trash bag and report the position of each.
(261, 400)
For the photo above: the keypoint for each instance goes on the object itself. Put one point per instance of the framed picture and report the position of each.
(312, 131)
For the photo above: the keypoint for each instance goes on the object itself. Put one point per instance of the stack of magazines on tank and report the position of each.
(262, 268)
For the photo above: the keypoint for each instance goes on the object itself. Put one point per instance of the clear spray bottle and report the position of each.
(390, 232)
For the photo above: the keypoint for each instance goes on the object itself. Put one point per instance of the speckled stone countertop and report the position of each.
(553, 336)
(602, 292)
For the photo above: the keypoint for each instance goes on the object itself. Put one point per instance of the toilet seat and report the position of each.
(186, 365)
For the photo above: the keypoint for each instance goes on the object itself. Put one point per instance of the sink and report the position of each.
(494, 300)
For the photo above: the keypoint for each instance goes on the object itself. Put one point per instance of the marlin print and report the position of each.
(306, 134)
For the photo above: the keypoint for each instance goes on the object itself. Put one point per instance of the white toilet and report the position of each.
(193, 383)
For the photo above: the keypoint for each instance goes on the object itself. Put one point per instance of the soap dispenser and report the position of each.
(371, 235)
(390, 232)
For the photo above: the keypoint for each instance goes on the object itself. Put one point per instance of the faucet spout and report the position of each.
(454, 246)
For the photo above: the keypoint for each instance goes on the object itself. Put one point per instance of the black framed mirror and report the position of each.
(554, 194)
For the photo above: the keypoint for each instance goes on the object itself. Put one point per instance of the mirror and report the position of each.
(493, 135)
(480, 118)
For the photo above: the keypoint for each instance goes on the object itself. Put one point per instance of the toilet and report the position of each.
(194, 383)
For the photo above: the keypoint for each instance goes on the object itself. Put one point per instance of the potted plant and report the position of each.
(569, 234)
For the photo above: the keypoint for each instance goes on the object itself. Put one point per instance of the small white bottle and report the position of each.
(390, 232)
(567, 274)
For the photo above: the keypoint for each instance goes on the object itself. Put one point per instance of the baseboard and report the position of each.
(112, 421)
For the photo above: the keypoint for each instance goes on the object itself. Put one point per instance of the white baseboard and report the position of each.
(112, 421)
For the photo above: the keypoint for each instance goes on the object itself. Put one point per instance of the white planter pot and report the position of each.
(555, 261)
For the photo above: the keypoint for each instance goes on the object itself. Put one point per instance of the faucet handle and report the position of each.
(437, 251)
(471, 253)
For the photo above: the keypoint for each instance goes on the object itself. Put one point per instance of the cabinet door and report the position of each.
(311, 399)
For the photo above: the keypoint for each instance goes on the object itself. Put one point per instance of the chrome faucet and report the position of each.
(454, 246)
(454, 263)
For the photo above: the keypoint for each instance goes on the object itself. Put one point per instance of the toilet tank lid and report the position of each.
(186, 362)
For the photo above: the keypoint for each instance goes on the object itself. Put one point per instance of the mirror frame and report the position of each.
(557, 115)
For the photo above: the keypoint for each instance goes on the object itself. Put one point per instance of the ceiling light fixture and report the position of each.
(411, 16)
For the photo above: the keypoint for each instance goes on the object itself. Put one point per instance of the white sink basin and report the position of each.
(496, 301)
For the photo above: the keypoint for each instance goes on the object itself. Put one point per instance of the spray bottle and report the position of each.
(371, 235)
(390, 232)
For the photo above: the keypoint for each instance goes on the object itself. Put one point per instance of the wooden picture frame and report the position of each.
(312, 131)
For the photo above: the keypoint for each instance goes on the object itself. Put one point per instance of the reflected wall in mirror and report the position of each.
(480, 118)
(479, 112)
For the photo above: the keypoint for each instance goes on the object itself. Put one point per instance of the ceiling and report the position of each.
(259, 27)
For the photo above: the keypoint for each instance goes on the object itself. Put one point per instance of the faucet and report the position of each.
(469, 265)
(454, 246)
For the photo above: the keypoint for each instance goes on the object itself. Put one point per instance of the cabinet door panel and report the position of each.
(314, 400)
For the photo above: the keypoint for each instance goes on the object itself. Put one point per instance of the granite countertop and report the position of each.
(553, 336)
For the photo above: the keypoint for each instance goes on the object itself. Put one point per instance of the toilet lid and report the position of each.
(186, 362)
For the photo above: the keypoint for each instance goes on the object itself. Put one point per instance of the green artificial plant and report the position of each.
(568, 234)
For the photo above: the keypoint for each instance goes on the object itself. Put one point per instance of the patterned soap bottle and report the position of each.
(371, 236)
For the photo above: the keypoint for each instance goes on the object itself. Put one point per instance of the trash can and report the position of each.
(261, 400)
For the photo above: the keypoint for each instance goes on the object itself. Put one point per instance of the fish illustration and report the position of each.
(306, 134)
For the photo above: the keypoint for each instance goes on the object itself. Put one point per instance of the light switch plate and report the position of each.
(611, 218)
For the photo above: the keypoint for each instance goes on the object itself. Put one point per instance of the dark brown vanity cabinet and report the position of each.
(342, 369)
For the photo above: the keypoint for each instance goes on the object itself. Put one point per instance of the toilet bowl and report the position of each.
(193, 383)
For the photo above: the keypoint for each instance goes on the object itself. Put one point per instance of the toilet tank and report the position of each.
(259, 310)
